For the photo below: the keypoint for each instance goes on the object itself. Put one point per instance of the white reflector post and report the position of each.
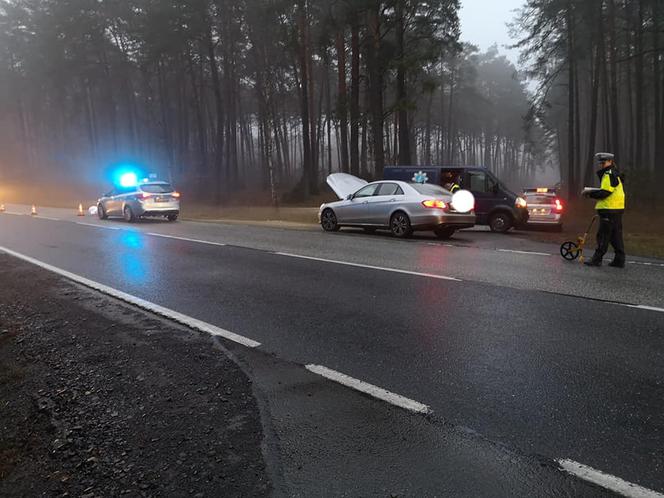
(463, 201)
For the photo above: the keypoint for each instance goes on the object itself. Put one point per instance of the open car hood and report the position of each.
(344, 184)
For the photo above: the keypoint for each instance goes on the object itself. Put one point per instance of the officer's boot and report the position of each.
(594, 261)
(617, 263)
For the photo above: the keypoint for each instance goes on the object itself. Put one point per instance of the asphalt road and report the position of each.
(518, 346)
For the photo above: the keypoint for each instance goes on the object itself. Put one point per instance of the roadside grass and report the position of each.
(643, 228)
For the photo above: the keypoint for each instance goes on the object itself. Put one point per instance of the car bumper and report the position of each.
(158, 208)
(433, 220)
(553, 219)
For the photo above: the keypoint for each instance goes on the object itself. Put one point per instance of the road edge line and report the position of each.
(176, 316)
(607, 481)
(370, 267)
(373, 391)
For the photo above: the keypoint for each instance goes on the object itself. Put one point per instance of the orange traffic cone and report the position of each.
(2, 208)
(80, 210)
(33, 212)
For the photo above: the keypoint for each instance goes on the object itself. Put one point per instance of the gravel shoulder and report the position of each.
(101, 399)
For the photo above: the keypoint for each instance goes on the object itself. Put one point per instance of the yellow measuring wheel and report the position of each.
(570, 250)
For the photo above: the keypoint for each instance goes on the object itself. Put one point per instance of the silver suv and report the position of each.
(142, 200)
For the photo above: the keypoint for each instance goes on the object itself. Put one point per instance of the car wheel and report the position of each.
(444, 233)
(128, 214)
(328, 220)
(172, 217)
(500, 222)
(400, 225)
(101, 212)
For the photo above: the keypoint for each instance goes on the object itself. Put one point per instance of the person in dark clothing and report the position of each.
(610, 207)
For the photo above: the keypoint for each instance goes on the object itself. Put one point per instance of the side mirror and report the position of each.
(495, 188)
(350, 197)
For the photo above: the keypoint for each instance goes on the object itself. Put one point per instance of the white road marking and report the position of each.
(524, 252)
(186, 239)
(14, 213)
(644, 307)
(370, 389)
(381, 268)
(40, 217)
(645, 263)
(613, 483)
(97, 226)
(141, 303)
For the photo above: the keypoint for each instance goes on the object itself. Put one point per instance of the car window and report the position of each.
(367, 191)
(477, 181)
(125, 190)
(157, 188)
(389, 189)
(429, 189)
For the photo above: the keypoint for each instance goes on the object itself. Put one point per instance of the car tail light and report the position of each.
(176, 195)
(559, 205)
(144, 195)
(434, 204)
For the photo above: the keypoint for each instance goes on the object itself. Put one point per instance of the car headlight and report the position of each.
(520, 202)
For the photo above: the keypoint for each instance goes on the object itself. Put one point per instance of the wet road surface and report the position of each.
(517, 346)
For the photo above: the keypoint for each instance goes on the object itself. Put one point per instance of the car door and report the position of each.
(355, 211)
(381, 203)
(477, 183)
(109, 202)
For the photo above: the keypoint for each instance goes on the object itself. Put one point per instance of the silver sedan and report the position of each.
(400, 207)
(139, 201)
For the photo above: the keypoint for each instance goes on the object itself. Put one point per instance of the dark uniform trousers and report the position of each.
(610, 232)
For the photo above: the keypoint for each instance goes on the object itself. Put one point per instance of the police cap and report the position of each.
(600, 157)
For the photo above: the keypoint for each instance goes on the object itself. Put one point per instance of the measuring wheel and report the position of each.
(569, 250)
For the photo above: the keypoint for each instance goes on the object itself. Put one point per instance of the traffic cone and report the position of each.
(2, 208)
(33, 212)
(80, 210)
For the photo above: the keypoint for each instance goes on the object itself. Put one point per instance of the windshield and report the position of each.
(157, 188)
(428, 189)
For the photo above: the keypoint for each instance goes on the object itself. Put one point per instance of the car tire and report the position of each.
(328, 220)
(172, 217)
(101, 212)
(400, 225)
(444, 233)
(500, 222)
(128, 214)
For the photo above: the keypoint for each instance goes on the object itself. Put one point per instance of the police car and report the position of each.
(545, 208)
(133, 199)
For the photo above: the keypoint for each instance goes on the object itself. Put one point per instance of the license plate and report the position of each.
(162, 199)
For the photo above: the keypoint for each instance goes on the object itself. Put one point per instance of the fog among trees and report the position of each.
(272, 95)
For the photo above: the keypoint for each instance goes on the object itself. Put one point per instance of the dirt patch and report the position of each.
(100, 399)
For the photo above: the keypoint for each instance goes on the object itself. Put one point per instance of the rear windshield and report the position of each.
(429, 189)
(157, 188)
(540, 199)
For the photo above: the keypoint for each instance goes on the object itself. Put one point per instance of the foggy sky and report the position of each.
(483, 23)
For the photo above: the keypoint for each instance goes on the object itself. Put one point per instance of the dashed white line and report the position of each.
(646, 263)
(370, 389)
(524, 252)
(154, 234)
(13, 213)
(359, 265)
(644, 307)
(40, 217)
(607, 481)
(97, 226)
(141, 303)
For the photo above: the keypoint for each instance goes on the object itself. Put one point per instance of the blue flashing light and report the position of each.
(128, 179)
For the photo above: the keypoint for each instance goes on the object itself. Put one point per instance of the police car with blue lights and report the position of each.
(133, 199)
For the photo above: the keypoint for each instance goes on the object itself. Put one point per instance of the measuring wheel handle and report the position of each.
(569, 250)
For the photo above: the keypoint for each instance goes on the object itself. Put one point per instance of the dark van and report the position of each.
(495, 204)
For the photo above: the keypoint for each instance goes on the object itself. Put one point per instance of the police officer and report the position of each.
(610, 207)
(453, 184)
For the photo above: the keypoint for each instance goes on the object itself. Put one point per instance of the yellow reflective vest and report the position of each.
(616, 200)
